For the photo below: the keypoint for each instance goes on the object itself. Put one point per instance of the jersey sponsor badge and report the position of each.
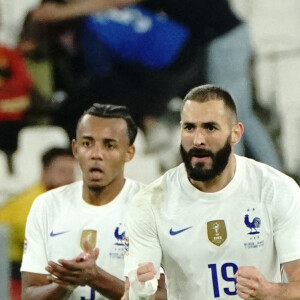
(216, 231)
(90, 236)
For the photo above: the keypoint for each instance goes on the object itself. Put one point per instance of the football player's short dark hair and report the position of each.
(207, 92)
(114, 111)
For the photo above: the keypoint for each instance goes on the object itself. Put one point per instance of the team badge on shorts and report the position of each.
(216, 231)
(90, 236)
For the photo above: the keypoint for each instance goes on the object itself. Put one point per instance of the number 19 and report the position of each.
(227, 268)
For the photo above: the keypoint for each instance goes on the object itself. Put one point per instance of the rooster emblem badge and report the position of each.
(253, 225)
(120, 237)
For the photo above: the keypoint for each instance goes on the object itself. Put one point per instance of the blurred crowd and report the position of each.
(58, 57)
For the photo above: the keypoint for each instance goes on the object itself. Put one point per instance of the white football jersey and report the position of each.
(201, 239)
(60, 219)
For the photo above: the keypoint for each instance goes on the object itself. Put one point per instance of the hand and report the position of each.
(48, 12)
(78, 271)
(143, 283)
(145, 272)
(251, 284)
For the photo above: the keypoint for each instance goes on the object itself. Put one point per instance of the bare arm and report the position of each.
(38, 286)
(66, 275)
(53, 12)
(252, 284)
(72, 273)
(83, 271)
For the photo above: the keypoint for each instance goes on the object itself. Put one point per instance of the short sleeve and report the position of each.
(144, 244)
(286, 212)
(35, 254)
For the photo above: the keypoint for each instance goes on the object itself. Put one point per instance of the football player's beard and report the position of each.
(219, 162)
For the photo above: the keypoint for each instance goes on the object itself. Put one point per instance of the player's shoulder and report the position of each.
(265, 174)
(158, 187)
(134, 185)
(130, 189)
(61, 194)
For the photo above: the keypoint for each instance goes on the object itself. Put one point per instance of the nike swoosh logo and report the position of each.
(57, 233)
(172, 232)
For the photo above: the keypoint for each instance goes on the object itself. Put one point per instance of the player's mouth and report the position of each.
(201, 158)
(200, 155)
(96, 173)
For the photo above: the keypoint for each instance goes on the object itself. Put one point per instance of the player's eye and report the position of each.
(189, 127)
(110, 146)
(211, 128)
(86, 143)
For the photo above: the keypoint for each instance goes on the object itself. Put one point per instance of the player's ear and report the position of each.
(130, 153)
(237, 133)
(74, 147)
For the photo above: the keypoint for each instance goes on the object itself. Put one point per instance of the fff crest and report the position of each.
(216, 231)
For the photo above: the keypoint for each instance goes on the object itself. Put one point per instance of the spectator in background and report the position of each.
(274, 28)
(58, 168)
(212, 25)
(228, 65)
(15, 87)
(144, 89)
(12, 15)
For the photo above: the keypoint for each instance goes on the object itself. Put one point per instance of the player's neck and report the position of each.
(105, 194)
(219, 182)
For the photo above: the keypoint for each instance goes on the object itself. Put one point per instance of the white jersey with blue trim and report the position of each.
(201, 239)
(60, 218)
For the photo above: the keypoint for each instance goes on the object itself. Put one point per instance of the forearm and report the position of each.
(284, 291)
(45, 292)
(54, 12)
(79, 8)
(108, 285)
(291, 289)
(161, 294)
